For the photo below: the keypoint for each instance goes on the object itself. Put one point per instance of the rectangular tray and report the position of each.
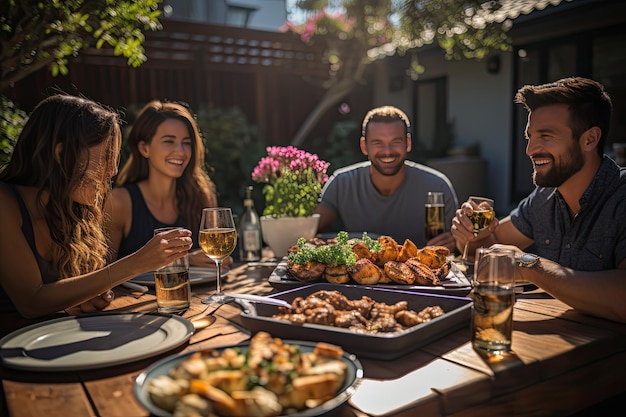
(455, 283)
(384, 346)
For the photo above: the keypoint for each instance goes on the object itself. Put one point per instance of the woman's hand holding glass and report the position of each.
(162, 249)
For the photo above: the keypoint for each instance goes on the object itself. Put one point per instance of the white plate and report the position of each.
(92, 341)
(197, 275)
(162, 367)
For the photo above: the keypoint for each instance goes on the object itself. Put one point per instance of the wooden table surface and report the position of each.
(562, 362)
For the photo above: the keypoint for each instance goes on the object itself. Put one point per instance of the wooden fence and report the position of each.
(272, 77)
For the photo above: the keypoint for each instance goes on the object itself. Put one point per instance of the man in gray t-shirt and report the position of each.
(385, 195)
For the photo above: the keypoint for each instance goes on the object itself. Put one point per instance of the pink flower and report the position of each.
(293, 180)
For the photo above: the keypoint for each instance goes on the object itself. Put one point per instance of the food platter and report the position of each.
(197, 275)
(384, 346)
(455, 283)
(353, 380)
(92, 341)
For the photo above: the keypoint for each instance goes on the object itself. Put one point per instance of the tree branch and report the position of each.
(331, 98)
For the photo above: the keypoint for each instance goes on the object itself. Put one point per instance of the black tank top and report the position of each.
(142, 225)
(47, 271)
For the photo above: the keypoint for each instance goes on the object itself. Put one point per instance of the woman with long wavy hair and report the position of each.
(53, 249)
(163, 183)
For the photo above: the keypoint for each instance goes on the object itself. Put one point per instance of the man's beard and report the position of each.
(387, 170)
(562, 169)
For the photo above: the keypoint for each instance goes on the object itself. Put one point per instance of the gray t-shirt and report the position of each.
(361, 208)
(595, 239)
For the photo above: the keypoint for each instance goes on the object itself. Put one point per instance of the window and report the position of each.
(239, 15)
(431, 133)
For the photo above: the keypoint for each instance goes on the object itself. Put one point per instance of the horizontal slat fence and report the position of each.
(272, 77)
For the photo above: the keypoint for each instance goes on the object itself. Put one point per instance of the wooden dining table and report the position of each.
(561, 362)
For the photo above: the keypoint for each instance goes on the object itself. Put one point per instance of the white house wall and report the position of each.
(480, 107)
(270, 15)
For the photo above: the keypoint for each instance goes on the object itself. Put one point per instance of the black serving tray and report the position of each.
(384, 346)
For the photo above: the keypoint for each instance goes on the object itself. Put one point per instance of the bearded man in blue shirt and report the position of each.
(575, 218)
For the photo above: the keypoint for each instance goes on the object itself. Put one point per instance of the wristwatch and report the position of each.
(526, 260)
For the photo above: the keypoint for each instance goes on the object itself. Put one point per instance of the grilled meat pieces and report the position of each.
(423, 274)
(406, 265)
(363, 315)
(389, 252)
(306, 272)
(365, 272)
(337, 274)
(399, 272)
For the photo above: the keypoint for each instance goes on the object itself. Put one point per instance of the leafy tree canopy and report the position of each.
(38, 33)
(355, 33)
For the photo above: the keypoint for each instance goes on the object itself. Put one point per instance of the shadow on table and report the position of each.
(110, 338)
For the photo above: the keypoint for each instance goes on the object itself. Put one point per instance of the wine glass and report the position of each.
(481, 217)
(218, 238)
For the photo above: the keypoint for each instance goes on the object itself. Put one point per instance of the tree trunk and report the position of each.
(332, 96)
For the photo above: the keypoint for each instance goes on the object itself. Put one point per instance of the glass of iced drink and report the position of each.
(493, 293)
(171, 283)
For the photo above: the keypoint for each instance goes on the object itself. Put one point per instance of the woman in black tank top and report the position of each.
(53, 249)
(163, 182)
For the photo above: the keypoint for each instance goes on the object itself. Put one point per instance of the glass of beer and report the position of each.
(171, 282)
(434, 223)
(493, 292)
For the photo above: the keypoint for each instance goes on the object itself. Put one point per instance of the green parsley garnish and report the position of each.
(337, 254)
(372, 244)
(304, 255)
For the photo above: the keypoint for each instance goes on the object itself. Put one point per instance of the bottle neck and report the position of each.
(248, 203)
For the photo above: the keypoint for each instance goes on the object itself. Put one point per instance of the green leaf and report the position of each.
(63, 28)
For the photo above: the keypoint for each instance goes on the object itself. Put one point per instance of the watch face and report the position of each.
(528, 259)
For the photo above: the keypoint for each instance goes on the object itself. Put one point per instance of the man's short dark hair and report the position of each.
(385, 114)
(589, 104)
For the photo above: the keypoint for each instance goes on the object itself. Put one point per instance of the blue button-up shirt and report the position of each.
(595, 239)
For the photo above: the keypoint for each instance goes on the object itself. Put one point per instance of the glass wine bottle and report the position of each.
(250, 231)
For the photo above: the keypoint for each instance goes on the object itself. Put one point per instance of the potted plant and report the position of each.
(293, 181)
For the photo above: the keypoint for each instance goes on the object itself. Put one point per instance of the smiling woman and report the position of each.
(162, 183)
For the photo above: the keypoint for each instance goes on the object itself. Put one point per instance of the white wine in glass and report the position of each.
(481, 217)
(434, 223)
(218, 238)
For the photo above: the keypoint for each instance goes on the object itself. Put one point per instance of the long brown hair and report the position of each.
(52, 154)
(194, 189)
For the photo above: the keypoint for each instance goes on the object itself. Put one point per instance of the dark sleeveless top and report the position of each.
(142, 225)
(48, 272)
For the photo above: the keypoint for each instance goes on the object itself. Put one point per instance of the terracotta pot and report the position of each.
(282, 233)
